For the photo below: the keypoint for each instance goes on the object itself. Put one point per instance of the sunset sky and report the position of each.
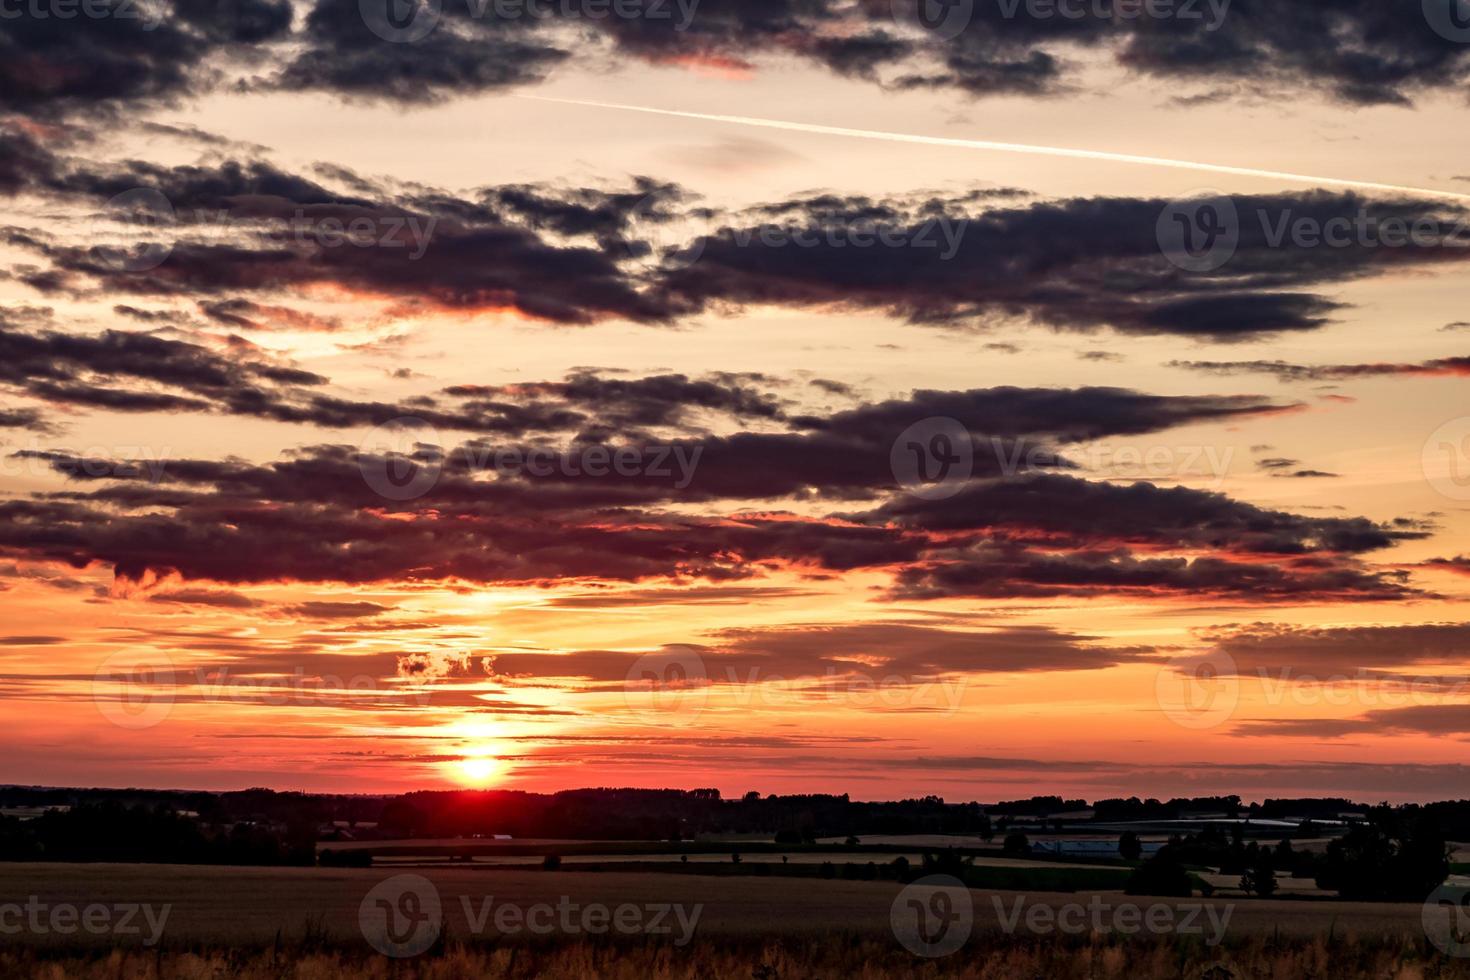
(253, 530)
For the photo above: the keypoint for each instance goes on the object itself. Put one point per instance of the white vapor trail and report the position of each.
(1028, 148)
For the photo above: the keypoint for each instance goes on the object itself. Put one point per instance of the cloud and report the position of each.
(1361, 53)
(132, 54)
(1074, 265)
(132, 371)
(1009, 531)
(462, 55)
(1444, 367)
(1328, 651)
(335, 610)
(1459, 564)
(247, 231)
(902, 652)
(1009, 571)
(1060, 510)
(218, 598)
(1420, 719)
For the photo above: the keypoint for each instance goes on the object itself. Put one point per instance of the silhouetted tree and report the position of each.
(1161, 874)
(1260, 878)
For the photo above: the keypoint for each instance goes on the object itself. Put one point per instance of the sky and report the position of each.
(981, 399)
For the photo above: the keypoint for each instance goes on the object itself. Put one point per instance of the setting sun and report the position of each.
(479, 770)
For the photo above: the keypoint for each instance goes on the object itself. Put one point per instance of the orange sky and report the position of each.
(488, 632)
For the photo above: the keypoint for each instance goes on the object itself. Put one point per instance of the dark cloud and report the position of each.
(125, 370)
(135, 52)
(336, 610)
(899, 650)
(1308, 475)
(584, 256)
(285, 232)
(23, 418)
(315, 518)
(461, 55)
(1279, 466)
(1288, 372)
(1063, 510)
(1328, 651)
(218, 598)
(1077, 265)
(1015, 572)
(1361, 52)
(1064, 414)
(1418, 719)
(1460, 564)
(724, 595)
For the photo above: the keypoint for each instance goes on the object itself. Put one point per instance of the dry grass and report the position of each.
(837, 958)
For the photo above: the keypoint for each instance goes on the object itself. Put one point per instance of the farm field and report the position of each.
(245, 906)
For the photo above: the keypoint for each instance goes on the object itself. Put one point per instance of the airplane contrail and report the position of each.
(1029, 148)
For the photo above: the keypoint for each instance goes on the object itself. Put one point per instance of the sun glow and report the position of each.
(478, 770)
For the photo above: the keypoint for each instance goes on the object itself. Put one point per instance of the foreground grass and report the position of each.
(1093, 958)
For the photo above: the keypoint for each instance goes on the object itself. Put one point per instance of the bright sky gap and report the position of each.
(1025, 148)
